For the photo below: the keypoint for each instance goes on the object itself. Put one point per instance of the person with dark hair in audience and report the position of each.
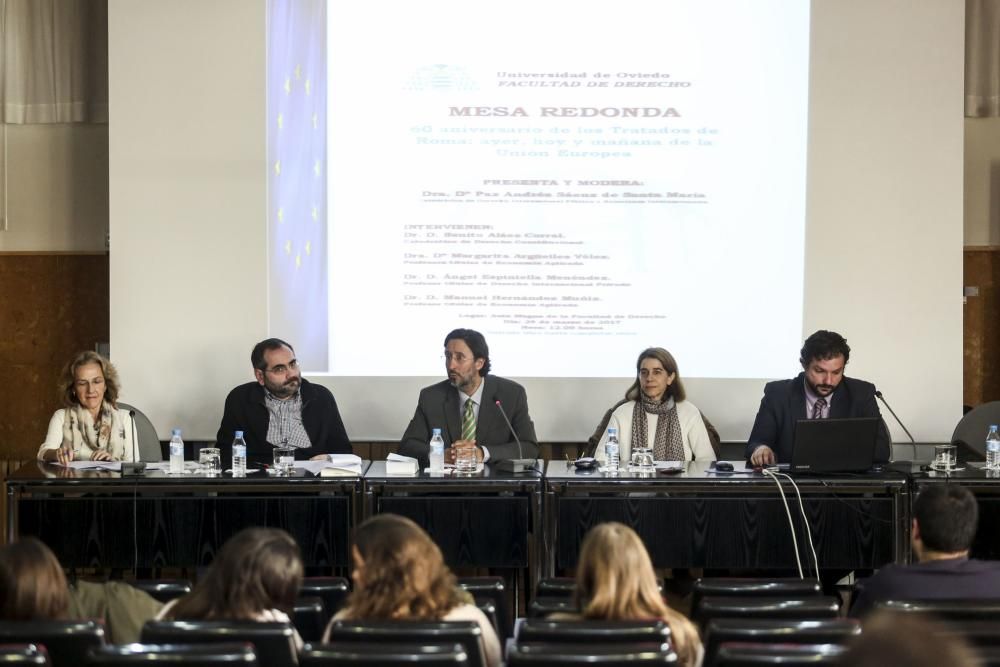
(400, 574)
(945, 517)
(282, 409)
(32, 583)
(33, 588)
(615, 581)
(820, 391)
(466, 407)
(90, 426)
(657, 414)
(903, 639)
(256, 576)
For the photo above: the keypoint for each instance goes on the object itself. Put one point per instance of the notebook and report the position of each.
(834, 445)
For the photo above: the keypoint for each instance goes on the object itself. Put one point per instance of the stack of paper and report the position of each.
(338, 465)
(396, 464)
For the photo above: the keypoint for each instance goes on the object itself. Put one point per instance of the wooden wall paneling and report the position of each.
(981, 326)
(52, 305)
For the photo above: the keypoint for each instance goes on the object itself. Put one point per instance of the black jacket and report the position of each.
(949, 579)
(246, 411)
(784, 403)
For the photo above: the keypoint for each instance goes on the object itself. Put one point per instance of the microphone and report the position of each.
(520, 464)
(135, 466)
(913, 442)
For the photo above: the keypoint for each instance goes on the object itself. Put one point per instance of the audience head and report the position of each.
(257, 569)
(87, 380)
(614, 576)
(32, 584)
(656, 376)
(945, 517)
(615, 581)
(902, 639)
(399, 572)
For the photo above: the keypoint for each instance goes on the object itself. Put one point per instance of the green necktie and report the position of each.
(468, 421)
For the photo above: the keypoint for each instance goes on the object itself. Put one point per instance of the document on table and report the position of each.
(336, 466)
(113, 466)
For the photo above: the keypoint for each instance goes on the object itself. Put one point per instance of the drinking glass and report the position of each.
(642, 459)
(945, 457)
(210, 460)
(284, 460)
(465, 459)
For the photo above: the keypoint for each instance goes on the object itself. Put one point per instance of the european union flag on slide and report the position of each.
(298, 301)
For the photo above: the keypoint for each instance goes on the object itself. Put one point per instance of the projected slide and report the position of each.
(578, 181)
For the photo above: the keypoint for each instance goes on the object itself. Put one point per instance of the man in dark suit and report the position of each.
(944, 525)
(465, 408)
(820, 391)
(281, 408)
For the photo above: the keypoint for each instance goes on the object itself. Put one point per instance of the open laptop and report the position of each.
(834, 445)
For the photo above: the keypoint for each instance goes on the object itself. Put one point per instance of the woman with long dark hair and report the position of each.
(256, 576)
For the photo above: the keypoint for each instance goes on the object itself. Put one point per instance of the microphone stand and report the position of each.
(913, 443)
(520, 464)
(135, 466)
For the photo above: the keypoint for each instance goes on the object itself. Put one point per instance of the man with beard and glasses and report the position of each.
(281, 408)
(820, 391)
(465, 408)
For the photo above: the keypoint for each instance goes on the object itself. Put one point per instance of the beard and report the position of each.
(286, 389)
(461, 382)
(821, 389)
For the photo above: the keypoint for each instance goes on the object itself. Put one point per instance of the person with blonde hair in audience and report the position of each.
(90, 426)
(256, 576)
(33, 587)
(399, 573)
(615, 581)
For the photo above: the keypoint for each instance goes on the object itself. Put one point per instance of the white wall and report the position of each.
(188, 202)
(187, 171)
(884, 232)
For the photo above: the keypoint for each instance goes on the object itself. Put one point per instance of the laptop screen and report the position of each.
(834, 445)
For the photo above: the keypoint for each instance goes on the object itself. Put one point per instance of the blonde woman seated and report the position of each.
(656, 412)
(90, 427)
(615, 582)
(256, 576)
(399, 573)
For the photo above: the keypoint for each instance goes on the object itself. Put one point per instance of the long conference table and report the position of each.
(531, 524)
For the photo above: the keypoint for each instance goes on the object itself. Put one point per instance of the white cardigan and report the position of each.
(54, 437)
(697, 445)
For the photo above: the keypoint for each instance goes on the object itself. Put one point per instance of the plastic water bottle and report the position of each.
(239, 455)
(993, 449)
(437, 450)
(176, 453)
(611, 452)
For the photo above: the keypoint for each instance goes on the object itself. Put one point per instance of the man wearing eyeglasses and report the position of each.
(282, 409)
(465, 408)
